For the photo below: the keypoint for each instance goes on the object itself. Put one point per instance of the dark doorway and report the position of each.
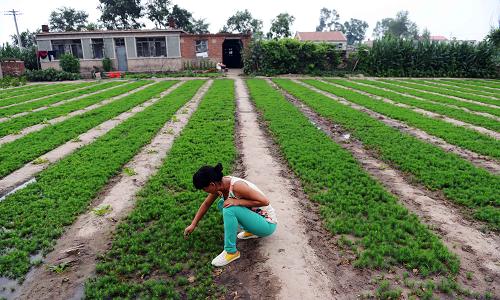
(231, 53)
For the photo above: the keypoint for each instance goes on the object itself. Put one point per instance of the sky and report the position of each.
(462, 19)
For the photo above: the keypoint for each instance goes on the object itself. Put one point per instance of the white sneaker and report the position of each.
(224, 258)
(245, 235)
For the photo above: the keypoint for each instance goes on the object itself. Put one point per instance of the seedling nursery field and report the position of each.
(394, 188)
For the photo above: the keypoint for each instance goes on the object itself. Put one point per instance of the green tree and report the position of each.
(182, 18)
(426, 35)
(354, 30)
(399, 27)
(68, 19)
(280, 26)
(494, 37)
(200, 26)
(121, 14)
(28, 55)
(328, 20)
(93, 26)
(158, 12)
(28, 38)
(243, 22)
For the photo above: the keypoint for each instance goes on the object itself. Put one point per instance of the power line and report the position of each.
(15, 13)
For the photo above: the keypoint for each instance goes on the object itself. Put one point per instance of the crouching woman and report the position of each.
(242, 204)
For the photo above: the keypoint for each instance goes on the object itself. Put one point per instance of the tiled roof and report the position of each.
(336, 36)
(438, 38)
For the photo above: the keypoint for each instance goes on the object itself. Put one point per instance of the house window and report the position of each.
(151, 47)
(339, 46)
(97, 48)
(201, 46)
(73, 47)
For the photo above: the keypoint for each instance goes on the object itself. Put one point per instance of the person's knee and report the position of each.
(229, 210)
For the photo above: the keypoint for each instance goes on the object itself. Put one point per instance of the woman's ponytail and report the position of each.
(207, 174)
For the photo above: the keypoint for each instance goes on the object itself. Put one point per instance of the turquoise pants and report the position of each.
(247, 219)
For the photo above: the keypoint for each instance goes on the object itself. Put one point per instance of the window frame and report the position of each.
(154, 46)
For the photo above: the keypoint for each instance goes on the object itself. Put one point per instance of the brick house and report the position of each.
(153, 50)
(331, 37)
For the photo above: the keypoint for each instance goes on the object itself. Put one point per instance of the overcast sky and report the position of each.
(463, 19)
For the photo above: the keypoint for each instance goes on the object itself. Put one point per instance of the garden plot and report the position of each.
(91, 233)
(466, 104)
(366, 210)
(15, 128)
(459, 96)
(42, 93)
(441, 111)
(462, 87)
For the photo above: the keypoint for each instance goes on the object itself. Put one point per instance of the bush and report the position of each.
(9, 81)
(28, 55)
(50, 75)
(408, 58)
(106, 64)
(290, 56)
(69, 63)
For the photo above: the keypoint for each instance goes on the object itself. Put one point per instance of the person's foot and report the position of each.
(224, 258)
(245, 235)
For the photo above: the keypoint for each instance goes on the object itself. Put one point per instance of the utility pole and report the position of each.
(15, 13)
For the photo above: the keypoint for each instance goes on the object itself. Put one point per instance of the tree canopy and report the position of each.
(399, 27)
(243, 22)
(68, 19)
(28, 38)
(328, 20)
(121, 14)
(354, 30)
(280, 26)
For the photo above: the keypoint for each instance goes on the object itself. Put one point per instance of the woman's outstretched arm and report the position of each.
(200, 213)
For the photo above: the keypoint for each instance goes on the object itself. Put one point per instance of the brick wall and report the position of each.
(215, 41)
(12, 68)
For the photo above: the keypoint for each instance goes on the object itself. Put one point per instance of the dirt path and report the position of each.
(29, 170)
(424, 112)
(12, 137)
(449, 96)
(300, 260)
(91, 235)
(479, 252)
(478, 160)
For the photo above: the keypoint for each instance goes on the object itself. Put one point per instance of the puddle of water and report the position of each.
(22, 186)
(8, 288)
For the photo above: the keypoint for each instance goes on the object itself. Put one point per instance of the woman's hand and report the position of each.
(231, 202)
(188, 230)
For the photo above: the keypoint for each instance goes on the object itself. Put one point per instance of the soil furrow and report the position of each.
(450, 86)
(478, 160)
(91, 234)
(12, 137)
(479, 252)
(29, 170)
(424, 112)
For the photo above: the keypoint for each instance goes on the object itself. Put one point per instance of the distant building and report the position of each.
(438, 38)
(332, 37)
(140, 50)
